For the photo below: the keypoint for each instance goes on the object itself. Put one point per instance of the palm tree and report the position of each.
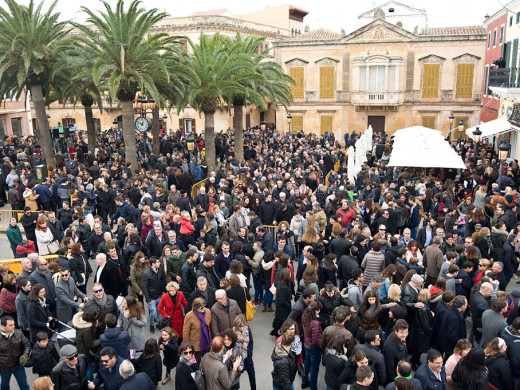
(75, 73)
(217, 73)
(273, 84)
(128, 57)
(30, 46)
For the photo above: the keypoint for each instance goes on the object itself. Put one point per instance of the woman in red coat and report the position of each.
(170, 306)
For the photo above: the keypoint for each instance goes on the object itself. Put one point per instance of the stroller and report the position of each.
(64, 337)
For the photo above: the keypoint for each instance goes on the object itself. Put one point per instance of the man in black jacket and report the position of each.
(14, 353)
(65, 215)
(346, 264)
(55, 226)
(340, 246)
(104, 304)
(395, 349)
(153, 286)
(284, 363)
(453, 325)
(188, 277)
(480, 303)
(371, 348)
(207, 270)
(202, 291)
(84, 232)
(183, 202)
(71, 371)
(107, 274)
(29, 221)
(267, 210)
(155, 240)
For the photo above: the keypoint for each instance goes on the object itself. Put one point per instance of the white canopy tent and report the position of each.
(419, 146)
(491, 128)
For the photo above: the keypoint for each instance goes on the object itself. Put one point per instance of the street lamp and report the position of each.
(114, 122)
(452, 119)
(289, 118)
(461, 129)
(263, 125)
(164, 118)
(476, 138)
(503, 151)
(190, 142)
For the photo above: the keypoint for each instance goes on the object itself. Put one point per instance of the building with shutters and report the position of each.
(15, 116)
(273, 23)
(383, 75)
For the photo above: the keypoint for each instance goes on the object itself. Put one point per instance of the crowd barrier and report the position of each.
(271, 229)
(15, 266)
(196, 188)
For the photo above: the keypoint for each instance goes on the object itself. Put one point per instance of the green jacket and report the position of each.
(174, 265)
(14, 236)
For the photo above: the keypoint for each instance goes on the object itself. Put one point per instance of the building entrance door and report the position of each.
(377, 123)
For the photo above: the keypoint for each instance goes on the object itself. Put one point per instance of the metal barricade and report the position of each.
(15, 266)
(271, 229)
(196, 188)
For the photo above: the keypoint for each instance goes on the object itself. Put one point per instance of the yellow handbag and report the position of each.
(250, 309)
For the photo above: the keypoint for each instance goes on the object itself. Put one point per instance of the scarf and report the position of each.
(101, 302)
(42, 302)
(186, 361)
(204, 332)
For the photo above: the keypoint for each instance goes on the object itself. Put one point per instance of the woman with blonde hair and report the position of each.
(45, 238)
(310, 237)
(484, 243)
(461, 349)
(171, 305)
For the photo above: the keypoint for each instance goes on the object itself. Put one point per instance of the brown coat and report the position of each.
(216, 373)
(433, 259)
(30, 199)
(191, 329)
(221, 319)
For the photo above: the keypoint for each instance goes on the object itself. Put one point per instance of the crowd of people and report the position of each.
(400, 278)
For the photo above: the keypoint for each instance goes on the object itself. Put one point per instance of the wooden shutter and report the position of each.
(326, 124)
(428, 121)
(326, 82)
(430, 85)
(181, 125)
(464, 80)
(193, 128)
(297, 123)
(297, 74)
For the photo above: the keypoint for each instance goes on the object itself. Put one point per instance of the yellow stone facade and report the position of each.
(385, 76)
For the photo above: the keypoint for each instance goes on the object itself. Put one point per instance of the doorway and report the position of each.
(377, 123)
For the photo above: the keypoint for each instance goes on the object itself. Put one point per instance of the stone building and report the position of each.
(384, 76)
(15, 116)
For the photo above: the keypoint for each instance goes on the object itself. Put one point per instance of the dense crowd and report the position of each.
(363, 277)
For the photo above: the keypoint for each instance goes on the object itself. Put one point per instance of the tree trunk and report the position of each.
(91, 128)
(156, 141)
(43, 125)
(238, 125)
(129, 133)
(209, 140)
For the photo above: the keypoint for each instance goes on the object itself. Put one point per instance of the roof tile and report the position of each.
(441, 31)
(317, 35)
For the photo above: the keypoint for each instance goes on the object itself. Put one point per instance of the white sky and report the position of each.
(330, 14)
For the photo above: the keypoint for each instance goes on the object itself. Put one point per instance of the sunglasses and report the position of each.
(187, 353)
(97, 291)
(72, 357)
(44, 264)
(104, 361)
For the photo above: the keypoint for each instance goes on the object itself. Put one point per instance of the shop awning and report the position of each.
(491, 128)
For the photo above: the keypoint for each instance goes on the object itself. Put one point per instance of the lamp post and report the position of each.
(263, 124)
(114, 123)
(476, 138)
(165, 118)
(503, 151)
(461, 129)
(289, 119)
(190, 143)
(451, 118)
(141, 106)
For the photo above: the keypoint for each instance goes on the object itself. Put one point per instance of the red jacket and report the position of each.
(312, 334)
(25, 250)
(273, 273)
(346, 216)
(7, 299)
(166, 309)
(186, 227)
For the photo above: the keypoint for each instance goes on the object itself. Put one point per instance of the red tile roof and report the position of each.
(212, 12)
(441, 31)
(317, 35)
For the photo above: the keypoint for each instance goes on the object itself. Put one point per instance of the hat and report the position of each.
(377, 278)
(68, 350)
(417, 279)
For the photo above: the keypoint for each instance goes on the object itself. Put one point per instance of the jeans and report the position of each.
(250, 368)
(312, 366)
(413, 232)
(259, 289)
(153, 314)
(277, 388)
(19, 374)
(90, 371)
(268, 298)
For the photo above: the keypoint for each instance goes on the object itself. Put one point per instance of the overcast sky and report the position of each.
(331, 14)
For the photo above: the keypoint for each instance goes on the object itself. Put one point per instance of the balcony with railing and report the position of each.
(382, 98)
(505, 82)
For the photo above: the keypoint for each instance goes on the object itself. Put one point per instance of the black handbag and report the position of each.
(166, 321)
